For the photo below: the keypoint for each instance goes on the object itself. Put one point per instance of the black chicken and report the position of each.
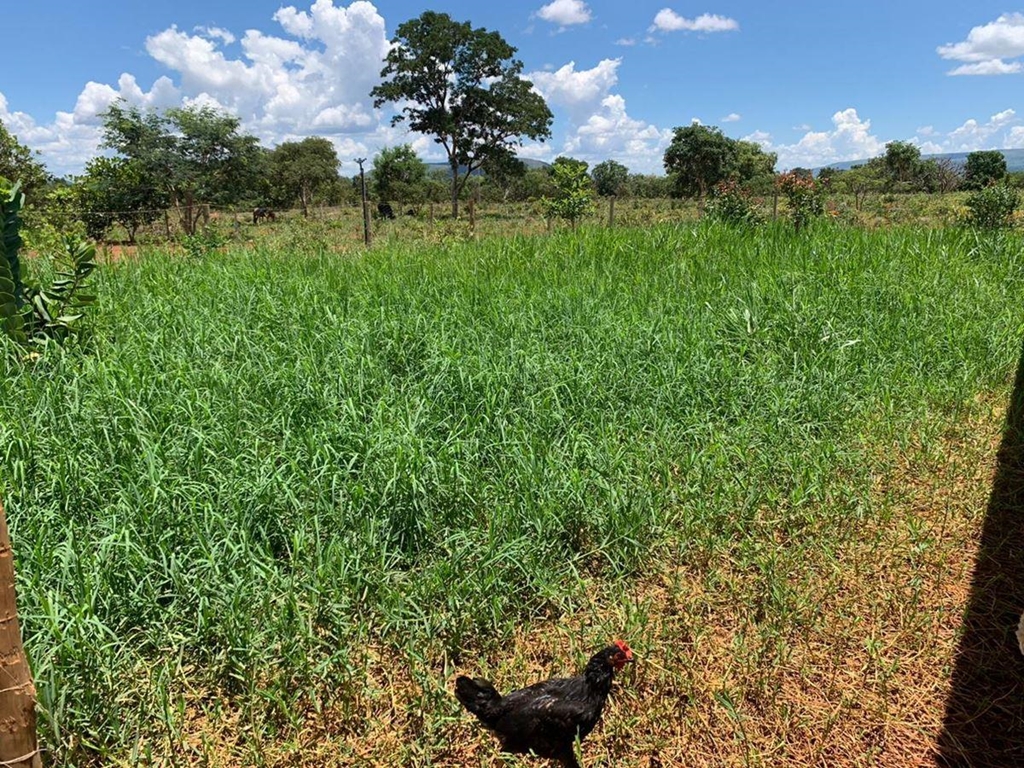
(547, 717)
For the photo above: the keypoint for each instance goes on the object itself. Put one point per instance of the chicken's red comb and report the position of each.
(624, 647)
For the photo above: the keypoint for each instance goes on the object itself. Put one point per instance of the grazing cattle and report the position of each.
(259, 214)
(385, 211)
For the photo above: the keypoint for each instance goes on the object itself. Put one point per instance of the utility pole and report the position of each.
(366, 203)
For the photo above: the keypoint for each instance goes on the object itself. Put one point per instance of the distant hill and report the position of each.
(530, 165)
(1014, 160)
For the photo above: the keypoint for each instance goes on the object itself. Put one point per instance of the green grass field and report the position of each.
(283, 495)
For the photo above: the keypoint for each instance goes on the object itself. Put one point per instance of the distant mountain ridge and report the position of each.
(1014, 160)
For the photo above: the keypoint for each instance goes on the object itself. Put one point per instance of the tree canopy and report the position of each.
(700, 156)
(398, 175)
(301, 169)
(18, 163)
(609, 177)
(463, 87)
(194, 154)
(984, 168)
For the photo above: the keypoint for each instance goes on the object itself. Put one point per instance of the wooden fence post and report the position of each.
(611, 211)
(19, 745)
(367, 229)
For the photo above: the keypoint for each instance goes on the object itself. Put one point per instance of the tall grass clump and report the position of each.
(269, 462)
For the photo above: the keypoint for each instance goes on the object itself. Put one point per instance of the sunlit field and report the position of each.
(285, 491)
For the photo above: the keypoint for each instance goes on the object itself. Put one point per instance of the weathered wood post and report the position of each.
(19, 745)
(367, 237)
(611, 211)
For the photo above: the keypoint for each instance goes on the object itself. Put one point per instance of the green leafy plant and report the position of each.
(732, 204)
(574, 194)
(202, 242)
(992, 207)
(805, 196)
(57, 310)
(30, 313)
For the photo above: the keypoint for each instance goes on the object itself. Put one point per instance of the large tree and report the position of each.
(300, 169)
(609, 177)
(117, 189)
(196, 155)
(699, 157)
(398, 175)
(902, 161)
(463, 87)
(983, 168)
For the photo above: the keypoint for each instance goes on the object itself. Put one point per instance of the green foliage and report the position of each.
(31, 313)
(398, 175)
(984, 168)
(751, 163)
(573, 197)
(805, 196)
(902, 163)
(203, 242)
(649, 186)
(118, 190)
(302, 169)
(194, 155)
(11, 288)
(992, 207)
(505, 174)
(699, 157)
(58, 309)
(19, 164)
(610, 178)
(12, 200)
(463, 87)
(273, 461)
(731, 203)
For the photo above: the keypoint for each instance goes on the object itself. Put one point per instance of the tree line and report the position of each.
(458, 85)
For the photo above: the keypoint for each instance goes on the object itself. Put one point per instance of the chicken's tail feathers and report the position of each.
(476, 695)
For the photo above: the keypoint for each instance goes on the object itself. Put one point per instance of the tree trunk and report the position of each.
(19, 746)
(304, 201)
(455, 189)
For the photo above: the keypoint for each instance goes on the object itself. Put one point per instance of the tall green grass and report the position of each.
(266, 460)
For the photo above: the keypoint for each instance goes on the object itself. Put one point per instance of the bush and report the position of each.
(992, 207)
(805, 196)
(730, 203)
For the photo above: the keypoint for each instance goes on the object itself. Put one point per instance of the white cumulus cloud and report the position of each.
(988, 48)
(668, 20)
(612, 133)
(580, 91)
(850, 139)
(565, 13)
(732, 117)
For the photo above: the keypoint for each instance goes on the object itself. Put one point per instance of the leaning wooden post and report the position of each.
(19, 745)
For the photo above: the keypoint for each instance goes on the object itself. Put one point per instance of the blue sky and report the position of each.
(815, 82)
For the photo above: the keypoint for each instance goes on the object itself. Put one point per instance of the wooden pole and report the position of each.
(367, 237)
(19, 745)
(611, 211)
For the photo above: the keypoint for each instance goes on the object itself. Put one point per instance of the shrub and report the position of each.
(31, 313)
(730, 203)
(992, 207)
(805, 196)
